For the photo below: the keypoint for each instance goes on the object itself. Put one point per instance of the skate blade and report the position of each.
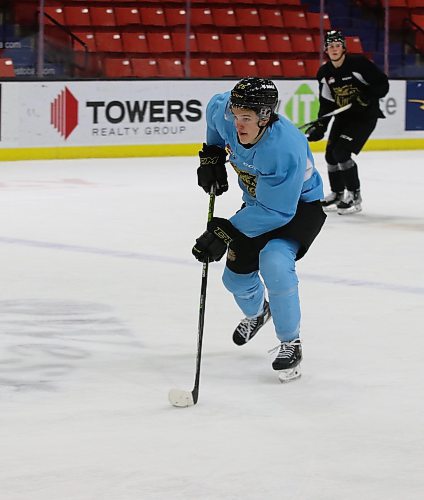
(289, 375)
(351, 210)
(330, 208)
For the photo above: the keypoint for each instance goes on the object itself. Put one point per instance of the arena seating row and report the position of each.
(213, 67)
(161, 3)
(248, 3)
(208, 43)
(129, 37)
(226, 17)
(228, 38)
(229, 55)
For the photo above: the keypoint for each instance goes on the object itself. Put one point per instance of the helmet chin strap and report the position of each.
(269, 121)
(261, 129)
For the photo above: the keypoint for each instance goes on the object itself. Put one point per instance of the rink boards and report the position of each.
(80, 119)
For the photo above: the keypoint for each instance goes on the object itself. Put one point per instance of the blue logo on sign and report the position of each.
(414, 106)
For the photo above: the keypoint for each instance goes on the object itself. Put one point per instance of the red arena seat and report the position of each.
(294, 19)
(224, 17)
(126, 16)
(87, 38)
(311, 67)
(152, 16)
(302, 42)
(199, 68)
(117, 67)
(271, 18)
(179, 41)
(219, 67)
(293, 68)
(108, 42)
(57, 13)
(102, 16)
(159, 42)
(232, 43)
(144, 68)
(255, 42)
(175, 16)
(269, 68)
(245, 67)
(201, 16)
(354, 45)
(77, 16)
(209, 42)
(170, 68)
(247, 16)
(6, 68)
(134, 42)
(279, 43)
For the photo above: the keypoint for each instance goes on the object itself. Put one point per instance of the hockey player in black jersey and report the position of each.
(346, 79)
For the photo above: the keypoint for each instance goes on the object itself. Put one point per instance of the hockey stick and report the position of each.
(178, 397)
(328, 115)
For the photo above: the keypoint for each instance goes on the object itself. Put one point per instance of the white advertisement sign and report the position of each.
(106, 113)
(101, 113)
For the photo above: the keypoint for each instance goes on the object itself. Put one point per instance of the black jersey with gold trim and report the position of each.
(356, 77)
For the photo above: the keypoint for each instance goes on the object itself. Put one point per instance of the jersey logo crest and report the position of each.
(344, 95)
(249, 180)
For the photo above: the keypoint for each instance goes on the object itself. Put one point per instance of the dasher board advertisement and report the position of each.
(102, 113)
(146, 112)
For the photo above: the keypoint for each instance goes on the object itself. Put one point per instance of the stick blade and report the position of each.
(179, 398)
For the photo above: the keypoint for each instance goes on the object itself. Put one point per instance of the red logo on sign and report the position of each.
(64, 113)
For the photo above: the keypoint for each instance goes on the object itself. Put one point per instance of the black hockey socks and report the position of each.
(349, 171)
(336, 179)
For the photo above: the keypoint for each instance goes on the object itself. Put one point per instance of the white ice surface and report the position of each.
(98, 320)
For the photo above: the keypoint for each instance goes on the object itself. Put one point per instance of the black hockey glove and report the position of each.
(209, 248)
(315, 132)
(212, 169)
(213, 243)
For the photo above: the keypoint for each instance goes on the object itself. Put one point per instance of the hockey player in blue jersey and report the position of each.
(280, 217)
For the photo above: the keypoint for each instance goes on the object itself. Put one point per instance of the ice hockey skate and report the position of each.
(288, 359)
(330, 202)
(249, 327)
(351, 203)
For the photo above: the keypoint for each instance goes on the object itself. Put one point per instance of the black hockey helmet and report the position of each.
(257, 94)
(334, 36)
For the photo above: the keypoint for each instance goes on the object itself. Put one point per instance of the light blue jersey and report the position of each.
(274, 174)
